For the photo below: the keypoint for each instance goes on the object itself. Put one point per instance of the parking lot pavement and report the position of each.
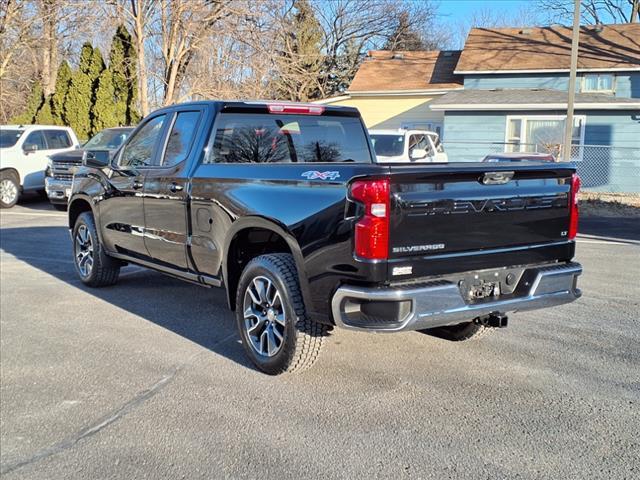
(147, 379)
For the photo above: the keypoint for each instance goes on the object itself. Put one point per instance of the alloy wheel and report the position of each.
(264, 317)
(84, 251)
(8, 191)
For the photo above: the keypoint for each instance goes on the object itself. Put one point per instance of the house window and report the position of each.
(537, 133)
(597, 82)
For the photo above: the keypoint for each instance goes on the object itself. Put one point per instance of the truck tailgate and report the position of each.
(461, 210)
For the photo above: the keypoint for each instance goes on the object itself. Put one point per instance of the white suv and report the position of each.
(24, 154)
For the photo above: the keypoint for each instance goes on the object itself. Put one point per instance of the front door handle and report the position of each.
(174, 187)
(137, 185)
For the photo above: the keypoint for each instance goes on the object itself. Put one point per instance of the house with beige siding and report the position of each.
(395, 89)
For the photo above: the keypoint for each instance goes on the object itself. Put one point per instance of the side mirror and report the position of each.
(96, 158)
(417, 153)
(31, 148)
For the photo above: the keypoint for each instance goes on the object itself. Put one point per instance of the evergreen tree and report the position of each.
(122, 63)
(77, 105)
(82, 91)
(405, 37)
(301, 60)
(44, 115)
(34, 103)
(105, 108)
(63, 82)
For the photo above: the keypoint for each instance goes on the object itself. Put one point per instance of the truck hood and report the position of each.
(73, 156)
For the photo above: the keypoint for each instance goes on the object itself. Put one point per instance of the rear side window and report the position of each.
(181, 137)
(140, 150)
(8, 138)
(273, 138)
(57, 139)
(35, 138)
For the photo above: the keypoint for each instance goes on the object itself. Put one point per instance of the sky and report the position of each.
(452, 9)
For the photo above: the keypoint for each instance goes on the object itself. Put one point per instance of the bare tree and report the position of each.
(593, 11)
(138, 15)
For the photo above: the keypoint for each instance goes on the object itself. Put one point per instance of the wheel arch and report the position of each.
(13, 171)
(254, 236)
(79, 204)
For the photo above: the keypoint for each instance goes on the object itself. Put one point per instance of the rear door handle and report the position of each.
(137, 184)
(174, 187)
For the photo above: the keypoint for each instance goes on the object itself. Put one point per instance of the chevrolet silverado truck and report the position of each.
(283, 206)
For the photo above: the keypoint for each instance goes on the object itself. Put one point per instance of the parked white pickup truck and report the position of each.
(24, 154)
(406, 146)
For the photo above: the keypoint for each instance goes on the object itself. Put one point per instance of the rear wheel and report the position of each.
(275, 329)
(9, 189)
(93, 265)
(463, 331)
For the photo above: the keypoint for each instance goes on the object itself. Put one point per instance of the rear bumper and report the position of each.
(57, 189)
(439, 303)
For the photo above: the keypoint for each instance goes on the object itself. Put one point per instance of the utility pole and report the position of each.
(575, 40)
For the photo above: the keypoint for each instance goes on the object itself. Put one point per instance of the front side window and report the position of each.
(57, 139)
(387, 145)
(35, 138)
(597, 82)
(281, 138)
(8, 138)
(140, 150)
(107, 140)
(419, 142)
(181, 137)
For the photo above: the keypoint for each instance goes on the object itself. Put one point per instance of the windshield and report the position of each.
(8, 138)
(387, 145)
(272, 138)
(107, 140)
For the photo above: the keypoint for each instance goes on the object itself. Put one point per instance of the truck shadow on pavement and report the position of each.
(198, 314)
(616, 228)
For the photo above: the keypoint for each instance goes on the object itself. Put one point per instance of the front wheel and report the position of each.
(93, 265)
(275, 329)
(9, 189)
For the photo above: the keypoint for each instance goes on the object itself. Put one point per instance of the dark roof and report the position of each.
(526, 97)
(549, 48)
(385, 70)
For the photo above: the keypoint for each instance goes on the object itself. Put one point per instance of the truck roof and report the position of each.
(262, 106)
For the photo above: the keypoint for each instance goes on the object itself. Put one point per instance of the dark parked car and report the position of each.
(59, 173)
(283, 206)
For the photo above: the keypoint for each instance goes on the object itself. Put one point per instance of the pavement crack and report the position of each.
(107, 419)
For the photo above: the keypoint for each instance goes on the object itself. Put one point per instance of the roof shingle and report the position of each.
(549, 48)
(402, 70)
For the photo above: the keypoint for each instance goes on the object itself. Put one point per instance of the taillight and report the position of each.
(372, 230)
(287, 108)
(573, 206)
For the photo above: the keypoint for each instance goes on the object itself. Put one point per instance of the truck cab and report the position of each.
(24, 154)
(407, 146)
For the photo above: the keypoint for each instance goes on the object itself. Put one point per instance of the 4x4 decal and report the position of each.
(315, 175)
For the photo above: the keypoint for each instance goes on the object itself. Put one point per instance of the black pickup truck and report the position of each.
(283, 206)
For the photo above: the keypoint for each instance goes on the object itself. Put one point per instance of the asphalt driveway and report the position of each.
(147, 379)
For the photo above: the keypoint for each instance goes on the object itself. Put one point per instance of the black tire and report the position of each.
(62, 207)
(104, 270)
(9, 189)
(463, 331)
(300, 337)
